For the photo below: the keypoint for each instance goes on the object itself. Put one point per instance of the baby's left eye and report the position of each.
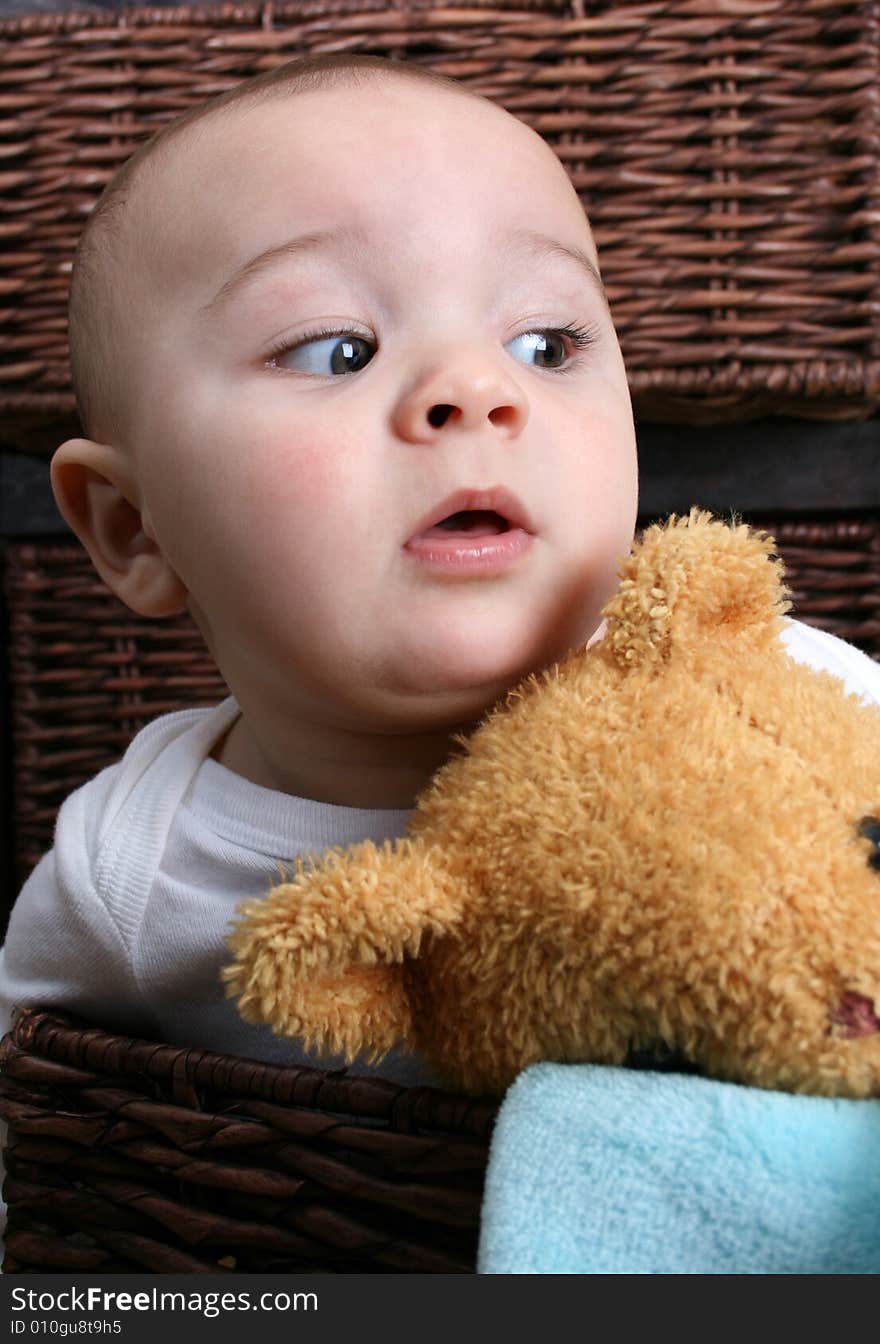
(548, 349)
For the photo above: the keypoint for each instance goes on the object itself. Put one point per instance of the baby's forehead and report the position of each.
(204, 190)
(205, 149)
(204, 139)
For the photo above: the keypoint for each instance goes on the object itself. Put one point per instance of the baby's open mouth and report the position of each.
(472, 533)
(472, 523)
(471, 515)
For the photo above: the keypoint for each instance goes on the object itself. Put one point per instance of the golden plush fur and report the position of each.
(657, 842)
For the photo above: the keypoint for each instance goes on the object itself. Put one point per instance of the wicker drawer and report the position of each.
(728, 155)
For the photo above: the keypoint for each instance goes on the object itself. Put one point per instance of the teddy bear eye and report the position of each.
(869, 827)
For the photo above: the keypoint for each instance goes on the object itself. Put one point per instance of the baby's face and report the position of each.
(379, 412)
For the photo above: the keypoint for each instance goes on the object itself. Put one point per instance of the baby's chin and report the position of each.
(457, 679)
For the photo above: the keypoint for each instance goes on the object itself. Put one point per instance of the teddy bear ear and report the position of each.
(693, 579)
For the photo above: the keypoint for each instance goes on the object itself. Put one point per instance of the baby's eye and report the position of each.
(326, 353)
(548, 349)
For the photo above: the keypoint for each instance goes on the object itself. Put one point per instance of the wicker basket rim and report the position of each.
(57, 1036)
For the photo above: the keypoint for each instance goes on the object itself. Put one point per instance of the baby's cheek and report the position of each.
(600, 504)
(308, 519)
(304, 475)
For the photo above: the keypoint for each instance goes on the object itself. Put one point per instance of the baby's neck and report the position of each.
(386, 771)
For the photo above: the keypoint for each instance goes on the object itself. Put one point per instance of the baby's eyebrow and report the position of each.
(542, 245)
(522, 240)
(249, 272)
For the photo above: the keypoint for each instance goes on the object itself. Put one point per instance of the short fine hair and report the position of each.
(94, 302)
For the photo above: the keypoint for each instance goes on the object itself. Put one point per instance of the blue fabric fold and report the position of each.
(598, 1170)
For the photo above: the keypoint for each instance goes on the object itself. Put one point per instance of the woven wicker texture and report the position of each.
(133, 1156)
(728, 155)
(86, 673)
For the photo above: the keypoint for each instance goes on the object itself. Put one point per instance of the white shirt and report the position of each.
(124, 921)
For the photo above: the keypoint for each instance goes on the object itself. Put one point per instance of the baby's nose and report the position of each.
(461, 397)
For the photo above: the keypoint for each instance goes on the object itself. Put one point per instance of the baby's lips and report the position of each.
(496, 499)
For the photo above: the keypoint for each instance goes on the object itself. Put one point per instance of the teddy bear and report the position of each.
(667, 842)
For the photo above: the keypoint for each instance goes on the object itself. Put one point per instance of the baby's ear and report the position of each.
(97, 495)
(320, 957)
(691, 581)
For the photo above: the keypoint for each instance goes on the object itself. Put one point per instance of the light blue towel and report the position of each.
(596, 1170)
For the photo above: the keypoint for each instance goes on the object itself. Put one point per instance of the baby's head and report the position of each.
(353, 396)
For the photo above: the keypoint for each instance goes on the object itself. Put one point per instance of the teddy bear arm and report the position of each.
(321, 958)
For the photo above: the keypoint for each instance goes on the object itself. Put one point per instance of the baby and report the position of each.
(354, 399)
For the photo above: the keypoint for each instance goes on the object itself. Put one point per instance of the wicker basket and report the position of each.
(129, 1155)
(728, 156)
(87, 673)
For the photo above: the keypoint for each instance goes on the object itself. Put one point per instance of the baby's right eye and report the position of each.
(325, 353)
